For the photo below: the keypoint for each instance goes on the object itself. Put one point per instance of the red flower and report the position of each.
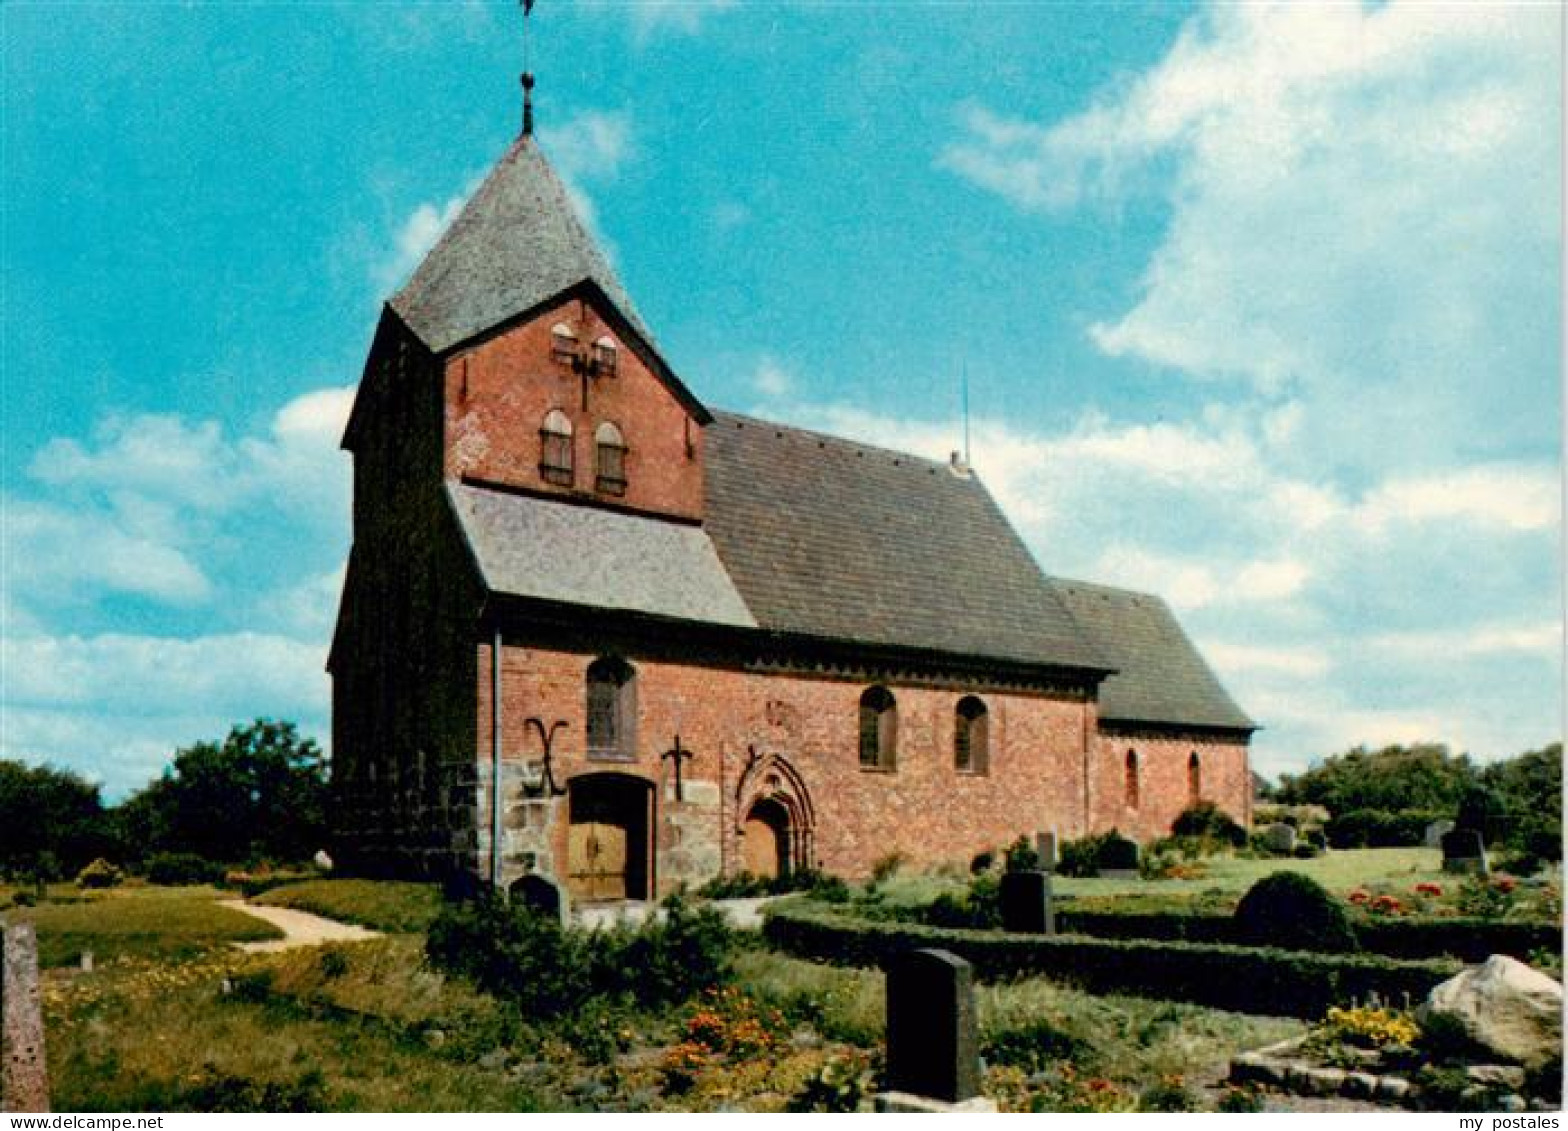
(1359, 896)
(1428, 889)
(1505, 884)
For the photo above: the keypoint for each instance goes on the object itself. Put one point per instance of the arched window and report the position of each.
(878, 730)
(605, 356)
(612, 709)
(971, 737)
(563, 342)
(1130, 780)
(555, 448)
(610, 462)
(1194, 779)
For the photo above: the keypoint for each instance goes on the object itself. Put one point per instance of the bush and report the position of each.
(1081, 857)
(982, 862)
(177, 869)
(1482, 809)
(887, 867)
(1381, 828)
(1305, 851)
(745, 885)
(1257, 980)
(99, 874)
(549, 971)
(1118, 853)
(1293, 911)
(1022, 856)
(1208, 822)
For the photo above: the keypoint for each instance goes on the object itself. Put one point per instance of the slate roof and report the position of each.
(579, 555)
(517, 242)
(1161, 677)
(829, 538)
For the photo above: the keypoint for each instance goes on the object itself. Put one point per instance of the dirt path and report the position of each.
(300, 928)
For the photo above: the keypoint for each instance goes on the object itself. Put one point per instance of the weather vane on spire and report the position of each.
(528, 76)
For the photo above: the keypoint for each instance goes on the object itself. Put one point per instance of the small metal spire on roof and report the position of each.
(528, 76)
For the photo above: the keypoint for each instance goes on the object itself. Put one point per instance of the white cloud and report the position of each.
(1364, 216)
(1506, 496)
(589, 144)
(772, 380)
(651, 17)
(1241, 661)
(1543, 639)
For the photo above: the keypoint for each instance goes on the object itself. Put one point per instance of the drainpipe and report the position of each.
(495, 759)
(1088, 740)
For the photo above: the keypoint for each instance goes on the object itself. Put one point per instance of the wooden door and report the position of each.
(597, 861)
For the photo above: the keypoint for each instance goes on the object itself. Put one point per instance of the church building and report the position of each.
(599, 632)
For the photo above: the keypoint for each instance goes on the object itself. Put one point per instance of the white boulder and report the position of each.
(1504, 1007)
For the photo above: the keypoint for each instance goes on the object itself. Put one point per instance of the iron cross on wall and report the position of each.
(678, 754)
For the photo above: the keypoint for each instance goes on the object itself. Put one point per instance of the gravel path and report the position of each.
(743, 914)
(300, 928)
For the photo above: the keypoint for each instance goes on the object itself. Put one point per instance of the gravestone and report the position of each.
(1436, 831)
(24, 1078)
(1463, 852)
(1045, 845)
(1280, 838)
(542, 895)
(933, 1041)
(1118, 859)
(1026, 903)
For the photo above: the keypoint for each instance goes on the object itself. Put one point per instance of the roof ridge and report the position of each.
(896, 453)
(1100, 587)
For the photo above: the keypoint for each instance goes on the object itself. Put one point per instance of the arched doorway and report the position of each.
(607, 837)
(764, 842)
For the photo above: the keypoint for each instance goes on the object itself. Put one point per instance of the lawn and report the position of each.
(137, 922)
(393, 906)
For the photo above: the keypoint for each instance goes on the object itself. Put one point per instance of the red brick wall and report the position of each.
(497, 395)
(1163, 786)
(925, 809)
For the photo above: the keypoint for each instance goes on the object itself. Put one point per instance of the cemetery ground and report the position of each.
(174, 1017)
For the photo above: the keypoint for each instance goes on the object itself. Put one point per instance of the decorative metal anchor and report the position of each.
(678, 755)
(546, 740)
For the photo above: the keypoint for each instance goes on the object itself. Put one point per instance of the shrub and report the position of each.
(1034, 1046)
(887, 867)
(1022, 856)
(1117, 852)
(177, 869)
(1290, 910)
(548, 970)
(1305, 851)
(1207, 821)
(982, 862)
(1482, 809)
(1381, 828)
(1081, 857)
(1169, 1095)
(99, 874)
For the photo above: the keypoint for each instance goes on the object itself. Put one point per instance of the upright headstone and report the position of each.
(1045, 845)
(1463, 852)
(1280, 838)
(1436, 831)
(933, 1041)
(24, 1077)
(1026, 903)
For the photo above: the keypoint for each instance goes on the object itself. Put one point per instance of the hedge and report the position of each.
(1472, 940)
(1246, 979)
(1381, 828)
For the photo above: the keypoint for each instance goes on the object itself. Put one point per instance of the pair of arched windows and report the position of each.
(556, 454)
(879, 732)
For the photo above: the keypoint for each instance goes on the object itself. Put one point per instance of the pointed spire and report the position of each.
(528, 75)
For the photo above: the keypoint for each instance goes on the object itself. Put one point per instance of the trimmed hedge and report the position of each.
(1247, 979)
(1473, 940)
(1381, 828)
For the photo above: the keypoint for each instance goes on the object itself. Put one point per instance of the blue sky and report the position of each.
(1259, 309)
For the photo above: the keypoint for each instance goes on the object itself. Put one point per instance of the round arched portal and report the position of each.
(607, 847)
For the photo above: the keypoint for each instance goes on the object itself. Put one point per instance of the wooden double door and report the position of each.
(607, 838)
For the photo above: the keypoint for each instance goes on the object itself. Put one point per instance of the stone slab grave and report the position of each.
(1436, 831)
(1026, 903)
(933, 1038)
(24, 1076)
(1464, 853)
(1045, 846)
(1280, 837)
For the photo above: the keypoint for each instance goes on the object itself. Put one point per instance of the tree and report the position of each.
(261, 794)
(1425, 776)
(1529, 788)
(51, 821)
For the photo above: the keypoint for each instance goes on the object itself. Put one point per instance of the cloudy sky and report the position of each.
(1258, 307)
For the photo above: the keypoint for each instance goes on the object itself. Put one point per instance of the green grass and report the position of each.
(394, 906)
(1133, 1041)
(138, 922)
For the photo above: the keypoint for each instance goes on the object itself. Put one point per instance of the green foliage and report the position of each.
(395, 906)
(1261, 980)
(1530, 788)
(843, 1081)
(1167, 1096)
(1118, 853)
(1381, 828)
(1293, 911)
(1034, 1046)
(1206, 821)
(1482, 809)
(886, 867)
(551, 971)
(978, 908)
(745, 885)
(175, 869)
(1242, 1100)
(100, 874)
(1023, 856)
(261, 794)
(1423, 776)
(1081, 857)
(51, 823)
(1485, 897)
